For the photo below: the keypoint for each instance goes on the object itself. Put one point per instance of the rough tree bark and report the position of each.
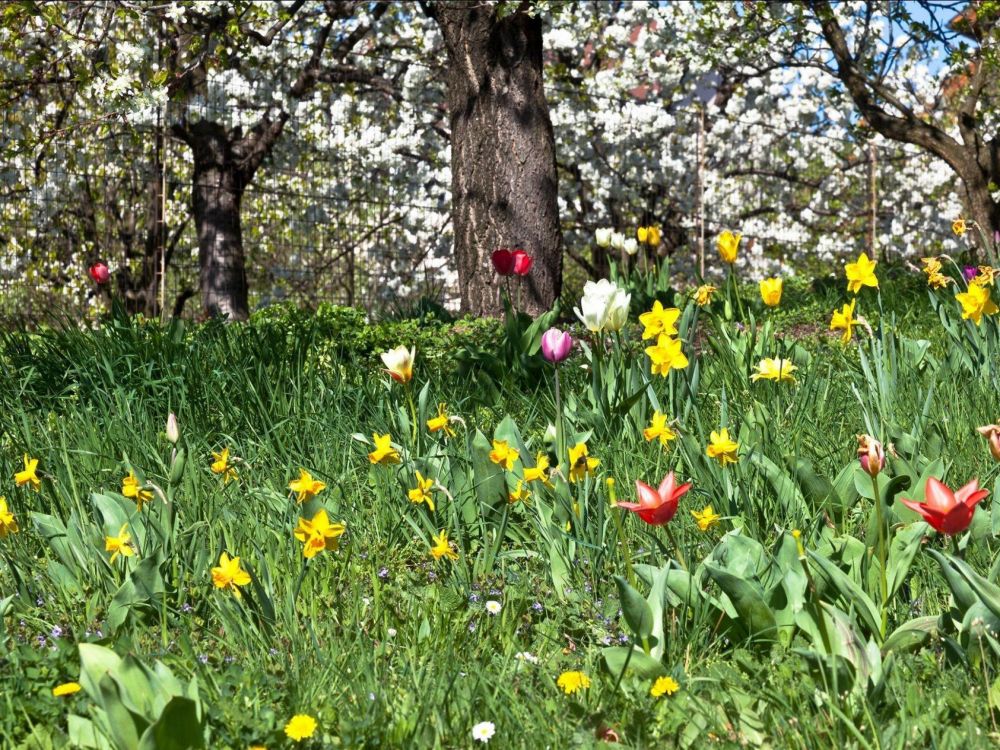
(974, 159)
(504, 180)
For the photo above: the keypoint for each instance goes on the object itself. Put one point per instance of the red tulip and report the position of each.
(948, 512)
(511, 262)
(522, 262)
(658, 506)
(99, 273)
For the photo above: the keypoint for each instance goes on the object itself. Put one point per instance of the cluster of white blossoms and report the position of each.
(646, 135)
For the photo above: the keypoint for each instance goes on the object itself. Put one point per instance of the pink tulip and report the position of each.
(556, 345)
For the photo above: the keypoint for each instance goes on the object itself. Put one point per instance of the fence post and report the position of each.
(700, 191)
(872, 198)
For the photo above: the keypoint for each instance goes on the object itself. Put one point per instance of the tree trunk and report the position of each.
(217, 193)
(504, 180)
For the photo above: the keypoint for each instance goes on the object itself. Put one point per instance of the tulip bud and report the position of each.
(602, 236)
(631, 246)
(556, 345)
(100, 273)
(173, 432)
(617, 240)
(870, 454)
(992, 434)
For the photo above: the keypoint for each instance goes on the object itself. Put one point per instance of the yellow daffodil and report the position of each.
(779, 370)
(861, 273)
(422, 492)
(305, 487)
(581, 464)
(938, 280)
(770, 291)
(728, 245)
(384, 453)
(222, 466)
(119, 545)
(664, 686)
(318, 534)
(8, 524)
(659, 430)
(134, 491)
(67, 688)
(519, 494)
(986, 276)
(648, 236)
(703, 294)
(976, 303)
(959, 227)
(844, 321)
(667, 355)
(442, 422)
(29, 475)
(931, 265)
(571, 682)
(300, 727)
(722, 448)
(706, 518)
(442, 548)
(540, 471)
(504, 454)
(229, 574)
(399, 363)
(659, 321)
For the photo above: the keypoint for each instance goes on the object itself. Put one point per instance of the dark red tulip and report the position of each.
(948, 512)
(100, 273)
(511, 262)
(657, 507)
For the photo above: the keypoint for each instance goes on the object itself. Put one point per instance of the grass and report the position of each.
(387, 647)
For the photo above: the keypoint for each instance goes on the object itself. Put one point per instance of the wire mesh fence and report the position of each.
(334, 220)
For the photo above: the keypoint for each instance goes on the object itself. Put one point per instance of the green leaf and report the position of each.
(635, 609)
(639, 664)
(912, 635)
(177, 728)
(754, 615)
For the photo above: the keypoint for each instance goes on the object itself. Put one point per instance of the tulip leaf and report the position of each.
(622, 658)
(753, 614)
(177, 728)
(987, 591)
(635, 609)
(792, 503)
(904, 547)
(490, 484)
(995, 508)
(850, 593)
(961, 591)
(912, 635)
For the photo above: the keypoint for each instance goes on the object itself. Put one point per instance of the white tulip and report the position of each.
(603, 306)
(602, 236)
(617, 311)
(617, 240)
(631, 246)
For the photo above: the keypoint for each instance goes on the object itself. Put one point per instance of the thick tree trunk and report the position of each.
(217, 192)
(504, 181)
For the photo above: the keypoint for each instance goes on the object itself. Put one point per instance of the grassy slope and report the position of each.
(88, 404)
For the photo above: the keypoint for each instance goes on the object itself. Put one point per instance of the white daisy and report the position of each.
(483, 731)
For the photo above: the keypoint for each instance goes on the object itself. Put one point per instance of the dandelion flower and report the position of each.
(571, 682)
(300, 727)
(67, 688)
(664, 686)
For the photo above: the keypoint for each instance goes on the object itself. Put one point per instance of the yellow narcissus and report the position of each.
(660, 321)
(318, 534)
(384, 453)
(844, 321)
(861, 273)
(667, 355)
(976, 303)
(778, 370)
(229, 575)
(722, 448)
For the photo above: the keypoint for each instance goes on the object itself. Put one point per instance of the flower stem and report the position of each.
(677, 548)
(413, 415)
(881, 551)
